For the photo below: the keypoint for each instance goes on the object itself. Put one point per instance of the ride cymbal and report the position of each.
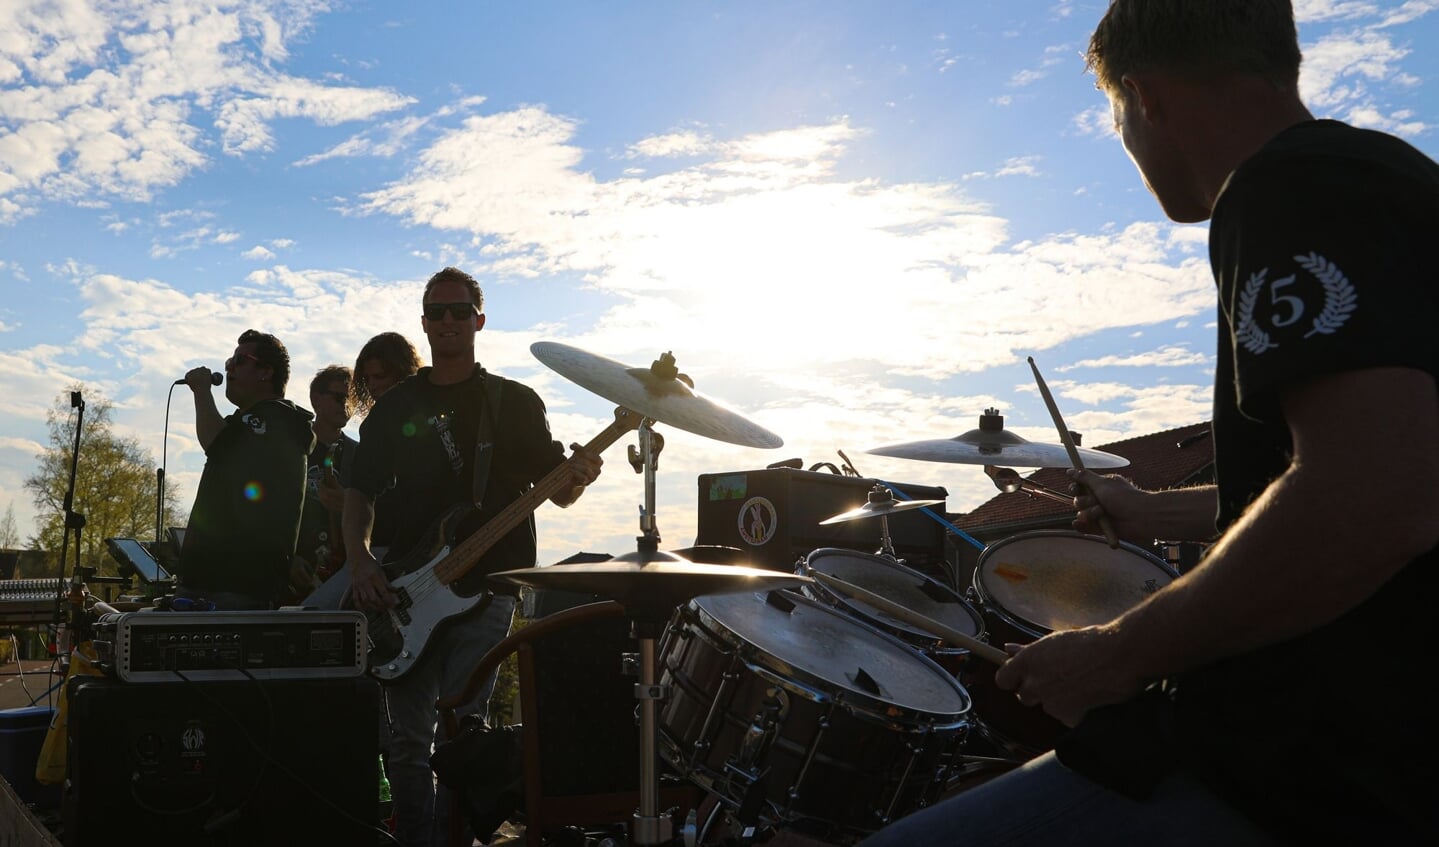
(991, 444)
(658, 392)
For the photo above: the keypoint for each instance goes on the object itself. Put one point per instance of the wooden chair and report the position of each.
(545, 809)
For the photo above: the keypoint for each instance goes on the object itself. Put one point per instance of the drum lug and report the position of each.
(629, 664)
(762, 729)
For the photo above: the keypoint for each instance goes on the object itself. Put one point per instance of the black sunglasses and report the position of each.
(234, 361)
(458, 311)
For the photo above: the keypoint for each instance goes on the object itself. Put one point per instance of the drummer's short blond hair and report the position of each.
(1198, 38)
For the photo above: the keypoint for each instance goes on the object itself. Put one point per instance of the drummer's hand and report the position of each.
(1115, 496)
(368, 587)
(1067, 673)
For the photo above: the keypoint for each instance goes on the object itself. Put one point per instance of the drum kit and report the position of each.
(828, 701)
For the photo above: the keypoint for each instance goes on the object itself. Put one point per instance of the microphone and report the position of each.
(215, 379)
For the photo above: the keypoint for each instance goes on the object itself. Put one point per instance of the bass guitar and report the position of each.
(423, 580)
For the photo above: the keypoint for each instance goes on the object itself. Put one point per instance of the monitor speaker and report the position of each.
(275, 762)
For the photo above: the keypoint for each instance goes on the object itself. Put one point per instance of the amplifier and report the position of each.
(152, 645)
(278, 763)
(774, 515)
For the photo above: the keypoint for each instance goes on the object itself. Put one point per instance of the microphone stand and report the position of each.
(74, 521)
(160, 471)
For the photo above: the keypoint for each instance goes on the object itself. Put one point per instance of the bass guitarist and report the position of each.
(452, 445)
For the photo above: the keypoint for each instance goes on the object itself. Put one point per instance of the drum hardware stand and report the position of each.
(646, 460)
(650, 827)
(1009, 481)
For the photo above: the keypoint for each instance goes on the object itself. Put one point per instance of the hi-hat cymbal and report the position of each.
(991, 444)
(650, 585)
(871, 510)
(657, 392)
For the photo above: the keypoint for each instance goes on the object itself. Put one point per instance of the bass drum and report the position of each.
(1035, 583)
(796, 715)
(900, 584)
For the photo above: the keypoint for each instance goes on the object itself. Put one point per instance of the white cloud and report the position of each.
(1339, 70)
(674, 144)
(761, 234)
(1164, 357)
(1014, 166)
(110, 101)
(259, 253)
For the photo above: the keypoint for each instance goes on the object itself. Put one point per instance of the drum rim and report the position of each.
(936, 645)
(859, 703)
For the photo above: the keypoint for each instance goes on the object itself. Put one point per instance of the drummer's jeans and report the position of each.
(421, 819)
(1045, 803)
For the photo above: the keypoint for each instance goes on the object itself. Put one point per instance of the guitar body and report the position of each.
(422, 580)
(423, 602)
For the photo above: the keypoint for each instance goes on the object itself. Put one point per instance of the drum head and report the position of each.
(1053, 580)
(903, 585)
(826, 651)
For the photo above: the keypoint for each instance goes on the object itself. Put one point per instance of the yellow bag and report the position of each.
(50, 767)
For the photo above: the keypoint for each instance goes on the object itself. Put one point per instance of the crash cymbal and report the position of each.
(658, 392)
(991, 444)
(650, 585)
(871, 510)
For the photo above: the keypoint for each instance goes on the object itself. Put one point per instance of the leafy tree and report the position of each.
(115, 489)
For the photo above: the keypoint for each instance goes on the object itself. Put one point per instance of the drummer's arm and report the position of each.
(1322, 538)
(1179, 514)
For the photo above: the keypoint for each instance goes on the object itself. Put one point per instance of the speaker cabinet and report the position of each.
(774, 514)
(276, 762)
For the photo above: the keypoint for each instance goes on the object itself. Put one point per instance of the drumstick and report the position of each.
(1069, 448)
(909, 616)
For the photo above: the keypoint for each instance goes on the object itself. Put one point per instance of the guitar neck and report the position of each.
(468, 553)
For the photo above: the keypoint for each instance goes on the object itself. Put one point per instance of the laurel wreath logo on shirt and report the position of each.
(1339, 296)
(1248, 333)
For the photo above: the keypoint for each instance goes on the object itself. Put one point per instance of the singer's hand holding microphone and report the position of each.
(199, 377)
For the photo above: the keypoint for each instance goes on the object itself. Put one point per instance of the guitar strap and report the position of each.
(485, 436)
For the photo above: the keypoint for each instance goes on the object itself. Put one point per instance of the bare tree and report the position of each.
(115, 488)
(9, 535)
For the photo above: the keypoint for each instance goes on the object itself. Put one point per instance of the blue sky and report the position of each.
(849, 221)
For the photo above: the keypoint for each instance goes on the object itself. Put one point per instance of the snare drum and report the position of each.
(800, 715)
(900, 584)
(1035, 583)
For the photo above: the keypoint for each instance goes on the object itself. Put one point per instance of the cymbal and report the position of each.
(991, 444)
(870, 510)
(650, 585)
(658, 392)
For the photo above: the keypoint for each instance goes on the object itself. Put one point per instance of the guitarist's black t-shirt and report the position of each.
(421, 437)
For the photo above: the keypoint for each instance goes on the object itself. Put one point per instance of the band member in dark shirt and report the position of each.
(242, 531)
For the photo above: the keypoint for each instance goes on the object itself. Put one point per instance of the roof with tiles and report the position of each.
(1169, 459)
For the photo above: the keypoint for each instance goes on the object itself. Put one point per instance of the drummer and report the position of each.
(426, 438)
(1215, 712)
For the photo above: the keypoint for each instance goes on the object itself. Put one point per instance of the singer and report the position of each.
(246, 516)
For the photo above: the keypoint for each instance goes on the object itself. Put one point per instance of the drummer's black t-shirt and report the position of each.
(1320, 245)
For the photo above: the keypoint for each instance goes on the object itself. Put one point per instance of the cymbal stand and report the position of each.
(880, 495)
(645, 460)
(886, 544)
(650, 827)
